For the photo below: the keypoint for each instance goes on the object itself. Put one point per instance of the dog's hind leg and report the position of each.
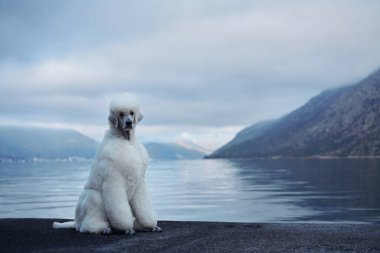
(90, 214)
(95, 227)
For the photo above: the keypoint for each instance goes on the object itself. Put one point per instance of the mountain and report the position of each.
(18, 143)
(251, 132)
(192, 146)
(340, 122)
(170, 151)
(28, 144)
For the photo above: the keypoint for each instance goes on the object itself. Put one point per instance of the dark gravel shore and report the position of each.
(37, 235)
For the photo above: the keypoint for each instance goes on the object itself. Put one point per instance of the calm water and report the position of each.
(212, 190)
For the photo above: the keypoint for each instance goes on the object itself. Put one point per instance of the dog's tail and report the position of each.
(68, 224)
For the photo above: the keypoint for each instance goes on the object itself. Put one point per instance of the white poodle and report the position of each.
(115, 196)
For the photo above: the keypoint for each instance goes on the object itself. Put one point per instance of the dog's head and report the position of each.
(124, 112)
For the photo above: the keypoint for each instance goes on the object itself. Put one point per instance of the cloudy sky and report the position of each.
(203, 69)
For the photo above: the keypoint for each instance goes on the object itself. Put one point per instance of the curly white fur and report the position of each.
(115, 195)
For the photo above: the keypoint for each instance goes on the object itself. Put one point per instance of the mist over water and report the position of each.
(346, 191)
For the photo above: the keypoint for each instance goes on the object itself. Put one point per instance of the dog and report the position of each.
(116, 196)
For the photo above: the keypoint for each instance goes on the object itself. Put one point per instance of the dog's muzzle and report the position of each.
(127, 122)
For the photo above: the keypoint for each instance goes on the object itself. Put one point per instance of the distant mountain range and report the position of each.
(17, 143)
(34, 144)
(341, 122)
(171, 151)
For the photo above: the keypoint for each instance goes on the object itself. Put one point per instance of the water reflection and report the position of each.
(335, 190)
(269, 190)
(40, 190)
(212, 190)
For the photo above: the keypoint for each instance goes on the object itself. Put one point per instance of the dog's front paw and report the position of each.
(130, 231)
(107, 231)
(156, 229)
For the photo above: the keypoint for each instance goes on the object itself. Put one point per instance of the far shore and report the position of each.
(296, 158)
(79, 159)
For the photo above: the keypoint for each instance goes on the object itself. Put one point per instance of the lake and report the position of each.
(338, 190)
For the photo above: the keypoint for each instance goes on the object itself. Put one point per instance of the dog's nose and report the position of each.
(128, 121)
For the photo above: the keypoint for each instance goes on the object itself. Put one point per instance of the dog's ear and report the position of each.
(139, 117)
(113, 119)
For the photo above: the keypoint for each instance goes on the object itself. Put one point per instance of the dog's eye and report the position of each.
(132, 113)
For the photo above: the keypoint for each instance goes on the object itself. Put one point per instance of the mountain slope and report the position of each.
(170, 151)
(339, 122)
(251, 132)
(18, 143)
